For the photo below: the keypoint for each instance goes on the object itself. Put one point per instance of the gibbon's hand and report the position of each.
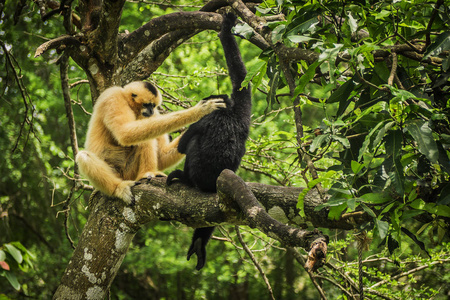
(210, 105)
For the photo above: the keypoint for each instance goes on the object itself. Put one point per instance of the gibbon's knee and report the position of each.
(82, 159)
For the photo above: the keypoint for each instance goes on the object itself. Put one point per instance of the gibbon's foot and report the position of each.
(198, 245)
(123, 191)
(133, 200)
(150, 175)
(200, 251)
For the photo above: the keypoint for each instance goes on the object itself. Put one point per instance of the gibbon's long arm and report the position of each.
(129, 131)
(236, 67)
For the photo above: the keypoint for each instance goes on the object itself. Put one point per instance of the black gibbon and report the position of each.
(217, 141)
(127, 137)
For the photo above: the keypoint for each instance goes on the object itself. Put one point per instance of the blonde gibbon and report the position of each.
(128, 140)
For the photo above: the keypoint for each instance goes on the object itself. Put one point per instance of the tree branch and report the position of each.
(57, 43)
(136, 41)
(255, 262)
(111, 225)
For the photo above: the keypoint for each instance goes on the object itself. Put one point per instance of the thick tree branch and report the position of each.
(234, 187)
(111, 226)
(154, 55)
(103, 39)
(196, 209)
(136, 41)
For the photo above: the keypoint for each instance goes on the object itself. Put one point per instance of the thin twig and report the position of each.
(26, 98)
(64, 68)
(255, 262)
(410, 272)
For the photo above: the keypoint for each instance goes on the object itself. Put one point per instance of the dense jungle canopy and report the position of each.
(350, 139)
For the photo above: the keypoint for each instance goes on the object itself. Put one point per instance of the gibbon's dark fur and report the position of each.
(217, 141)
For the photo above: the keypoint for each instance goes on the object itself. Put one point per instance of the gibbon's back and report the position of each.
(98, 131)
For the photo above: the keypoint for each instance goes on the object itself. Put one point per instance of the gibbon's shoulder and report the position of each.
(111, 94)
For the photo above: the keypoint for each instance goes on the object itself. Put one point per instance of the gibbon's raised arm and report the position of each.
(128, 131)
(236, 67)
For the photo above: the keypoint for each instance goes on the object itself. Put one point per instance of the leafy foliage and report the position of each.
(375, 119)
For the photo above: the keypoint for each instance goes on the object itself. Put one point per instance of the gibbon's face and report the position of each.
(144, 98)
(147, 109)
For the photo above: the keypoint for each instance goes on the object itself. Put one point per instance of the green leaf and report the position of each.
(375, 198)
(394, 152)
(400, 95)
(444, 197)
(244, 30)
(443, 210)
(330, 53)
(356, 167)
(299, 38)
(336, 211)
(343, 140)
(423, 135)
(382, 133)
(263, 10)
(2, 255)
(383, 228)
(415, 239)
(15, 253)
(306, 78)
(351, 204)
(383, 14)
(432, 208)
(441, 44)
(343, 92)
(301, 202)
(12, 280)
(444, 162)
(311, 184)
(318, 141)
(273, 86)
(352, 23)
(255, 74)
(277, 33)
(411, 213)
(304, 27)
(368, 210)
(364, 148)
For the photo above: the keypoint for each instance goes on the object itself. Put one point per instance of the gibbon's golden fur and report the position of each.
(128, 140)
